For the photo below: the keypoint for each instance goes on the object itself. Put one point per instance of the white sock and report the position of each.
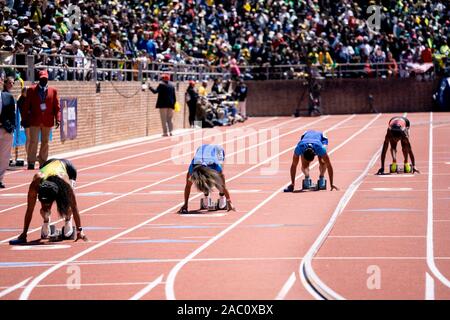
(222, 202)
(68, 229)
(45, 230)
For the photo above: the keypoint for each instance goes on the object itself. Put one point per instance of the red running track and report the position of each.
(378, 245)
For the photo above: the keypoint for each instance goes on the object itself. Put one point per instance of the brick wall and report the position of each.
(340, 96)
(120, 111)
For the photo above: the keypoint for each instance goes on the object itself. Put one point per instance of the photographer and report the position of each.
(7, 126)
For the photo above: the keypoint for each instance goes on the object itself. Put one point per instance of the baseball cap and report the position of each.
(43, 74)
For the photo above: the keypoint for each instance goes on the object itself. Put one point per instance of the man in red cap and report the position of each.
(41, 113)
(165, 103)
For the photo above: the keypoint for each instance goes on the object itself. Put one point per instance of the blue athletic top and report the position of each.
(210, 155)
(315, 139)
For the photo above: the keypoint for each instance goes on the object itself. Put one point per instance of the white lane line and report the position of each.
(138, 155)
(99, 284)
(306, 265)
(286, 287)
(41, 247)
(14, 287)
(163, 180)
(430, 245)
(147, 288)
(397, 175)
(429, 287)
(26, 293)
(170, 283)
(391, 189)
(40, 264)
(351, 237)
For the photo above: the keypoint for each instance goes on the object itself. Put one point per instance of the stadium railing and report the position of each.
(77, 68)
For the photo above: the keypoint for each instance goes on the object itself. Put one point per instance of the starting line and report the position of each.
(41, 247)
(392, 189)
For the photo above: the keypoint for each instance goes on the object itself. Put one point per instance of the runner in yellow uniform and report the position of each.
(53, 182)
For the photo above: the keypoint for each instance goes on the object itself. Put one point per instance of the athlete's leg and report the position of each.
(45, 213)
(322, 167)
(305, 167)
(394, 151)
(405, 151)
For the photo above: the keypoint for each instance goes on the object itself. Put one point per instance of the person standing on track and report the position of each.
(311, 143)
(398, 130)
(206, 172)
(165, 103)
(41, 112)
(53, 182)
(7, 127)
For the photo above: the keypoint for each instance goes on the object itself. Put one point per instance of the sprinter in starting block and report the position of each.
(312, 143)
(206, 172)
(54, 183)
(398, 130)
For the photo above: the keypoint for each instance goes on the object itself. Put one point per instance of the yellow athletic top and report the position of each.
(54, 168)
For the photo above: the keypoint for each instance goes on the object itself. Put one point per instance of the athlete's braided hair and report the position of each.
(56, 189)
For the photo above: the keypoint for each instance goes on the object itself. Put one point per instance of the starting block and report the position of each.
(308, 185)
(395, 168)
(57, 235)
(210, 205)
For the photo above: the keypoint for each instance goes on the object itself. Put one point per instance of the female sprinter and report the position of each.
(206, 172)
(53, 182)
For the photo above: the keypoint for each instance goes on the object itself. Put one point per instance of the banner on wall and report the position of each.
(68, 123)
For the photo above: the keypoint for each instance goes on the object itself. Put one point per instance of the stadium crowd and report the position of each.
(229, 34)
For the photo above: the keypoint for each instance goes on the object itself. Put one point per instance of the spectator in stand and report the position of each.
(41, 112)
(217, 86)
(391, 65)
(202, 90)
(212, 32)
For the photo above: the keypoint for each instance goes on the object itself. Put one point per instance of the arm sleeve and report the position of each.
(298, 150)
(324, 139)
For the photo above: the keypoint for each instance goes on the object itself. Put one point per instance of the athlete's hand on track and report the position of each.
(380, 171)
(230, 206)
(290, 188)
(415, 170)
(334, 188)
(82, 236)
(183, 209)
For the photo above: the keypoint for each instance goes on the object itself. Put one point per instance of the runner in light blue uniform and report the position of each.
(206, 172)
(210, 155)
(311, 143)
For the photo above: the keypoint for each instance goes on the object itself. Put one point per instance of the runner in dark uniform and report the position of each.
(398, 130)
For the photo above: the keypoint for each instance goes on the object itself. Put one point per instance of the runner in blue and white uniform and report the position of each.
(206, 172)
(312, 143)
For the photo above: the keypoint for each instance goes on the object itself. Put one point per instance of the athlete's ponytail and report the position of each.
(205, 179)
